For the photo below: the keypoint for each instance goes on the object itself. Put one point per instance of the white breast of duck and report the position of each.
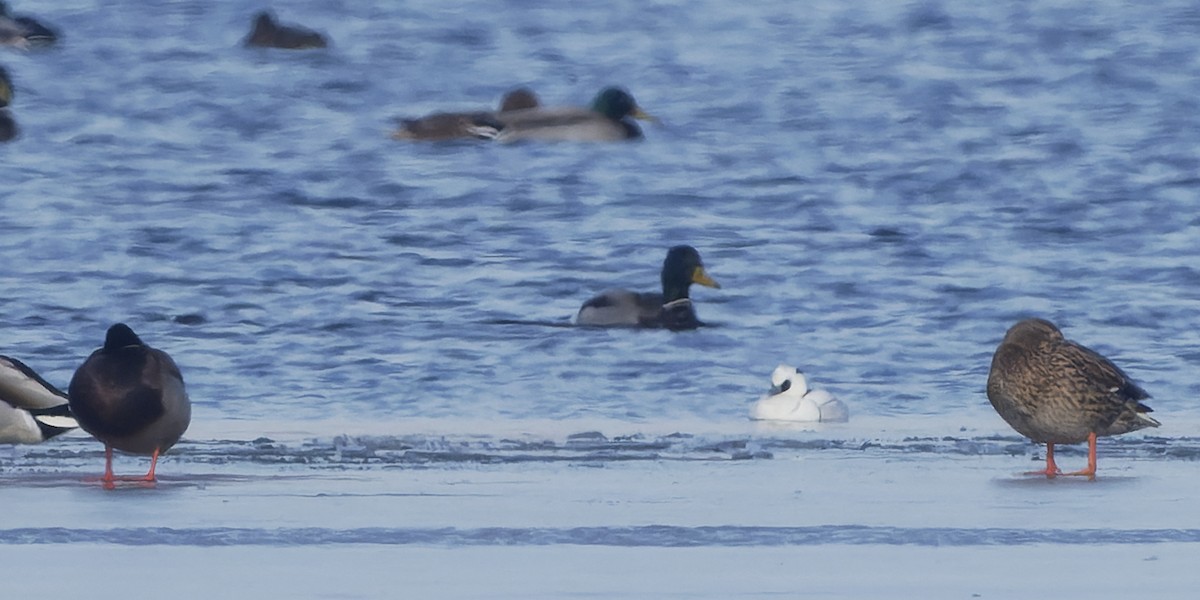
(790, 399)
(31, 410)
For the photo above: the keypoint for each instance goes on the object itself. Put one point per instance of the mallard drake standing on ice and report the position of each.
(130, 396)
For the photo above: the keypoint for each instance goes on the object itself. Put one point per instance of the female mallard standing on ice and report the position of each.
(672, 309)
(1054, 391)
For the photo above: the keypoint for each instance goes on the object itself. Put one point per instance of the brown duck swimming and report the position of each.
(269, 33)
(672, 309)
(465, 125)
(130, 396)
(1054, 391)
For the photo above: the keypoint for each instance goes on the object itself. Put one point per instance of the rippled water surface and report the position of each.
(881, 188)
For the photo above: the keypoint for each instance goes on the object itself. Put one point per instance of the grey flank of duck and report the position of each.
(269, 33)
(130, 397)
(672, 309)
(1055, 391)
(31, 410)
(8, 125)
(23, 31)
(482, 124)
(608, 119)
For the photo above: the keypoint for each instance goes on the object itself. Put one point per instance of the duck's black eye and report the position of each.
(787, 385)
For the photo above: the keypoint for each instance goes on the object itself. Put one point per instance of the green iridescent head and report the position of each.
(616, 104)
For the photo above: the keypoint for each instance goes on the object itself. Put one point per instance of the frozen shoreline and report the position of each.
(923, 518)
(831, 571)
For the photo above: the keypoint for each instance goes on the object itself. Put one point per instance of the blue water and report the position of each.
(881, 188)
(652, 536)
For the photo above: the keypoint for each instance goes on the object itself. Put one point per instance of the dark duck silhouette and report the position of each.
(24, 31)
(131, 397)
(269, 33)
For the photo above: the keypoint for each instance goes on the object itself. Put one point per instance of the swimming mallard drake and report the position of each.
(269, 33)
(8, 125)
(464, 125)
(31, 410)
(130, 396)
(790, 399)
(672, 309)
(1055, 391)
(23, 31)
(605, 120)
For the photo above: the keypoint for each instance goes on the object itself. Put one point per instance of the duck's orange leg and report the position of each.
(149, 476)
(1051, 469)
(153, 465)
(1090, 471)
(107, 480)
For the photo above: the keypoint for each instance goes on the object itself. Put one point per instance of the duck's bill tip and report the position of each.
(640, 114)
(701, 277)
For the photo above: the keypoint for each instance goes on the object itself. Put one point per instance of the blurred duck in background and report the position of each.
(269, 33)
(23, 31)
(465, 125)
(8, 125)
(606, 120)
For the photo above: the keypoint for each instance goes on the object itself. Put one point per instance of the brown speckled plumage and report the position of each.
(482, 124)
(1055, 391)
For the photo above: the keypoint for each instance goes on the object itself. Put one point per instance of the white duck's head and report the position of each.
(786, 379)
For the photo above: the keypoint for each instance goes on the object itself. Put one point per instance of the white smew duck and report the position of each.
(790, 399)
